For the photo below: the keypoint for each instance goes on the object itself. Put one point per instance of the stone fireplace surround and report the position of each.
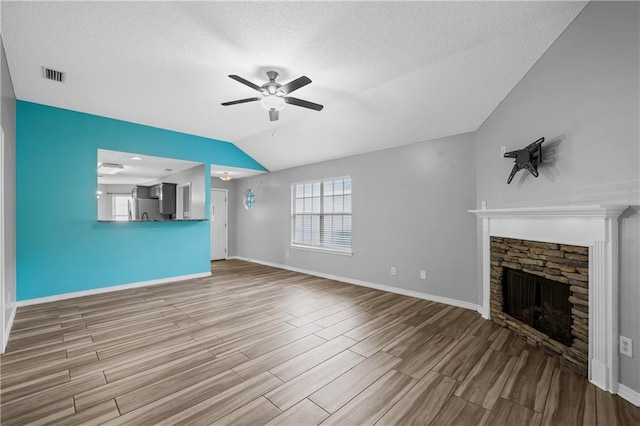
(565, 264)
(591, 226)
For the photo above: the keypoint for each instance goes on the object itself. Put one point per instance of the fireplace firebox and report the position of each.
(538, 302)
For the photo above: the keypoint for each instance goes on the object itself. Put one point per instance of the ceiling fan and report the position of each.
(274, 95)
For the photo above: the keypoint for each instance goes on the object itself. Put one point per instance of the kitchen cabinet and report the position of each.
(155, 191)
(166, 195)
(140, 192)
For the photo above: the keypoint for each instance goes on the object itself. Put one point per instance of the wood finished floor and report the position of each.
(257, 345)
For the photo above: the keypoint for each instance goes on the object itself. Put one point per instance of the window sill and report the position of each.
(322, 250)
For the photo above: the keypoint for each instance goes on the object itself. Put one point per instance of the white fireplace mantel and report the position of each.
(593, 226)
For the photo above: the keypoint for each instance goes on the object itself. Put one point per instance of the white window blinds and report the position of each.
(321, 214)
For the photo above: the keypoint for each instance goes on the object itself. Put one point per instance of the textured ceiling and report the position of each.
(388, 73)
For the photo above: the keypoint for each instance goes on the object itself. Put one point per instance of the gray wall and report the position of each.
(583, 97)
(8, 113)
(409, 211)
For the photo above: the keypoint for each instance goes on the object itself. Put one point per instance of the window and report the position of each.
(321, 214)
(120, 207)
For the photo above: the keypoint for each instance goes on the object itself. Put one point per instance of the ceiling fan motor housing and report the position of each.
(271, 88)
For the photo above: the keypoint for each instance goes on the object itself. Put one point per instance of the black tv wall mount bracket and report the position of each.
(528, 158)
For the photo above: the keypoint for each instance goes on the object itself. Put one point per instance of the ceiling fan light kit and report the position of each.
(274, 95)
(272, 102)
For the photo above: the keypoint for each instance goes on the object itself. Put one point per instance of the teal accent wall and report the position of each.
(61, 248)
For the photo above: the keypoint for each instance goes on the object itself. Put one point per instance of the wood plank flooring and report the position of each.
(257, 345)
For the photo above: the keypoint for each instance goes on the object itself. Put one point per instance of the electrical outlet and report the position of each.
(423, 275)
(503, 151)
(484, 205)
(286, 254)
(626, 346)
(393, 270)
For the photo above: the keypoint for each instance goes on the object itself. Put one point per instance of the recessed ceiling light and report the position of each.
(135, 157)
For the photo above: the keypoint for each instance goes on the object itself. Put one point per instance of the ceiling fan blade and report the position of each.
(240, 101)
(303, 103)
(274, 115)
(295, 84)
(245, 82)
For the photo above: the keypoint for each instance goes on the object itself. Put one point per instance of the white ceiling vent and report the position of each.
(54, 75)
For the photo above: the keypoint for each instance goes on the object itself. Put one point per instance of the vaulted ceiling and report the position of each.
(388, 73)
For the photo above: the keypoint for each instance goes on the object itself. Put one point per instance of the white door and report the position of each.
(218, 224)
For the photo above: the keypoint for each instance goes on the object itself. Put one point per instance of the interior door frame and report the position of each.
(2, 244)
(226, 228)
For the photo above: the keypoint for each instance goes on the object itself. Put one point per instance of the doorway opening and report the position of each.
(183, 201)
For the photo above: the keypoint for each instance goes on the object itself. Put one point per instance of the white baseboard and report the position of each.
(7, 329)
(101, 290)
(629, 394)
(402, 291)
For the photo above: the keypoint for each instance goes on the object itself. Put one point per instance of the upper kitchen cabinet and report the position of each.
(166, 195)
